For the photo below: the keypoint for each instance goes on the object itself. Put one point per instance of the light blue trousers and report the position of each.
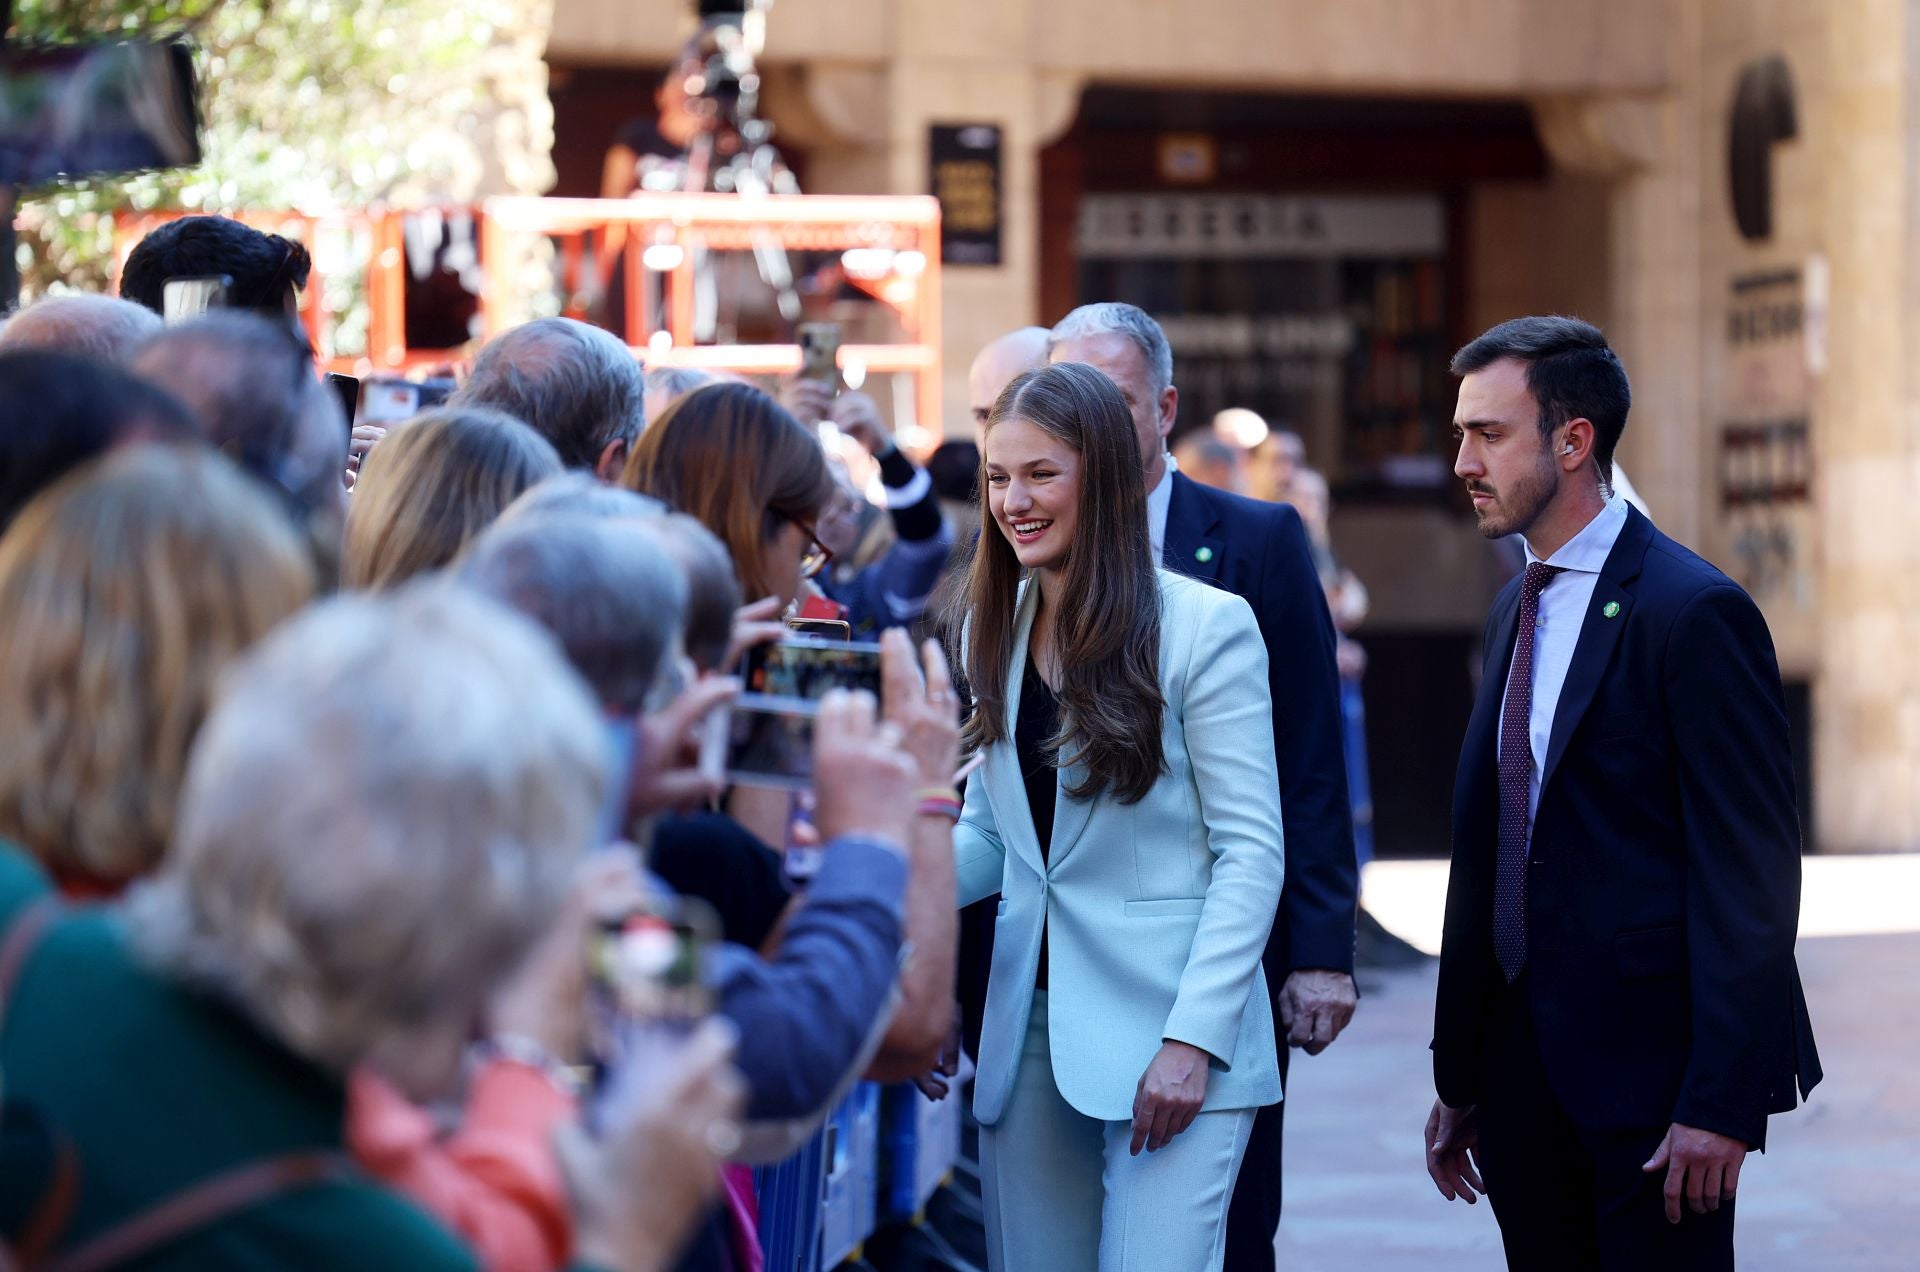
(1064, 1195)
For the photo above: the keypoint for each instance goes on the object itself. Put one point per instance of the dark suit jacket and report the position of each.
(1663, 883)
(1259, 551)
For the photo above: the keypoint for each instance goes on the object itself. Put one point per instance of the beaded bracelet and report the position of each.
(942, 805)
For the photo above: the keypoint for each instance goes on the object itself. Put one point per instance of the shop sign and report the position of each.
(964, 168)
(1249, 227)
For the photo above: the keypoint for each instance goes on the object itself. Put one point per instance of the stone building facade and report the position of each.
(1776, 424)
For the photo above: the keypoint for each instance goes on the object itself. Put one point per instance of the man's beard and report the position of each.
(1514, 510)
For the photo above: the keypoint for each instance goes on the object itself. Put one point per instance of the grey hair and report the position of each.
(1111, 317)
(581, 494)
(677, 382)
(578, 386)
(101, 327)
(604, 588)
(380, 818)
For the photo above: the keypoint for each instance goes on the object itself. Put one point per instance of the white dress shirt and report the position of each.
(1563, 607)
(1159, 500)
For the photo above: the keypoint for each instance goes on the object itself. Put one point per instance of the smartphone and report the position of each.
(770, 742)
(803, 667)
(70, 110)
(388, 399)
(184, 298)
(649, 980)
(836, 629)
(347, 389)
(820, 352)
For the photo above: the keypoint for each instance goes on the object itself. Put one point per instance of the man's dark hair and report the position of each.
(1571, 372)
(57, 411)
(576, 385)
(954, 467)
(265, 268)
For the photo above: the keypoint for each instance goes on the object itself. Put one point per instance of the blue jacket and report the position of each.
(807, 1015)
(1156, 912)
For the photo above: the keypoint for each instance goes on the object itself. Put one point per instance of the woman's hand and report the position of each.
(921, 702)
(1169, 1096)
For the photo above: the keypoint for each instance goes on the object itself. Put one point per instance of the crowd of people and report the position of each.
(346, 764)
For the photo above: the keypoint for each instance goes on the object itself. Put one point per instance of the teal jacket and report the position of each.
(158, 1088)
(1156, 913)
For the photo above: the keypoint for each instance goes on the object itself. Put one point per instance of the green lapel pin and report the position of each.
(1204, 555)
(1611, 609)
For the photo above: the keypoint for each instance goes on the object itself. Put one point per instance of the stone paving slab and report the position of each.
(1837, 1191)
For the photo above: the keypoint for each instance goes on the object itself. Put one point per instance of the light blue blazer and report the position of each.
(1156, 913)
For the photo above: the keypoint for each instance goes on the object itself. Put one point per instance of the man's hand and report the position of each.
(863, 780)
(1453, 1142)
(1703, 1166)
(1169, 1096)
(666, 758)
(807, 400)
(757, 623)
(858, 416)
(1315, 1006)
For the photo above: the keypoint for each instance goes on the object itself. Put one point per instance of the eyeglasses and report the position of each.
(818, 555)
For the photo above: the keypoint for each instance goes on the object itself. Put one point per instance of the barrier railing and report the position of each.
(878, 1159)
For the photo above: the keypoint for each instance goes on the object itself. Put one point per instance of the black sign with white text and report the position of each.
(963, 166)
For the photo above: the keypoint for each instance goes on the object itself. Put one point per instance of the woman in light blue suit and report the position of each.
(1126, 812)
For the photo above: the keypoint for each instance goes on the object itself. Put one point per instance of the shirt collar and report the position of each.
(1159, 504)
(1587, 552)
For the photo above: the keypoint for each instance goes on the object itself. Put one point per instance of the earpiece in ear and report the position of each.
(1567, 449)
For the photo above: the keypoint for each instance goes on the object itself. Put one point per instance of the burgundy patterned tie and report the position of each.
(1516, 770)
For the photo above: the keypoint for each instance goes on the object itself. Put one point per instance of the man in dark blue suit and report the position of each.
(1258, 551)
(1619, 1010)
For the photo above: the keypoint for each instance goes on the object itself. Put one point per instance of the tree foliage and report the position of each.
(313, 105)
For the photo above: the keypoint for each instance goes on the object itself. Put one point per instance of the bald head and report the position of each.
(104, 328)
(1000, 364)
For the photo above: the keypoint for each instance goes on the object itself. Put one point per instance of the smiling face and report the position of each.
(1033, 491)
(1508, 467)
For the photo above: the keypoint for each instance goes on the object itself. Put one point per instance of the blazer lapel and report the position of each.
(1599, 634)
(1190, 547)
(1001, 772)
(1070, 816)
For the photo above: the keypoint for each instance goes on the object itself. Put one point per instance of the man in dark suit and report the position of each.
(1258, 551)
(1619, 1009)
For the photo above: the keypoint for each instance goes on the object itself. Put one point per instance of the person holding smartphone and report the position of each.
(1127, 813)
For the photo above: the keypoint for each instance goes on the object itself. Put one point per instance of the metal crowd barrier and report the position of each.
(878, 1159)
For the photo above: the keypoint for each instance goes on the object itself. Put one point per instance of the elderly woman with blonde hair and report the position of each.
(380, 820)
(431, 485)
(125, 590)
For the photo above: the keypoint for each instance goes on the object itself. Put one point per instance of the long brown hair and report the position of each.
(740, 464)
(126, 590)
(1107, 625)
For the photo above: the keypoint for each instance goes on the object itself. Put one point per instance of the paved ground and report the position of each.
(1838, 1190)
